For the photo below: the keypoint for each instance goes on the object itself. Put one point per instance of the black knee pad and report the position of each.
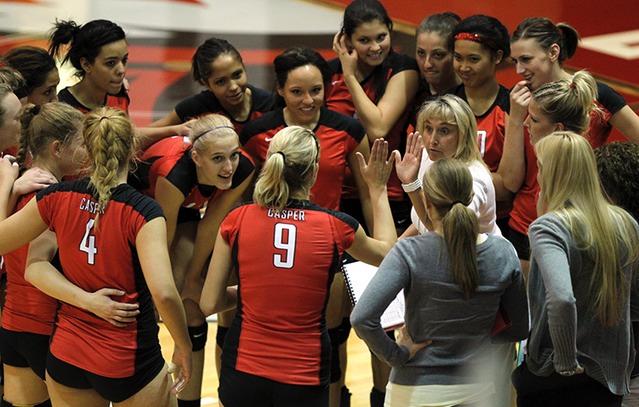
(336, 372)
(188, 403)
(220, 336)
(198, 335)
(344, 330)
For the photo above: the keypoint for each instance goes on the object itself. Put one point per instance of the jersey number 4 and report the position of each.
(284, 239)
(88, 243)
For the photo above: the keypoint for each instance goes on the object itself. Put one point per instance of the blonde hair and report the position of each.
(569, 187)
(42, 125)
(289, 169)
(448, 187)
(208, 128)
(110, 138)
(569, 102)
(454, 110)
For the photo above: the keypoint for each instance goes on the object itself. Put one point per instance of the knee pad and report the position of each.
(188, 403)
(344, 330)
(198, 335)
(220, 336)
(336, 371)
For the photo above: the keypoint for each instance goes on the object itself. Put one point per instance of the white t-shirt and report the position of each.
(483, 203)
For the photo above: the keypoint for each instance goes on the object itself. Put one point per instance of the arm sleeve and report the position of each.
(514, 301)
(549, 245)
(391, 277)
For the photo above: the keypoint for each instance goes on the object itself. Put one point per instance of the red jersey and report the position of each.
(171, 158)
(524, 209)
(338, 136)
(101, 257)
(279, 332)
(338, 98)
(491, 126)
(26, 309)
(205, 103)
(610, 102)
(120, 100)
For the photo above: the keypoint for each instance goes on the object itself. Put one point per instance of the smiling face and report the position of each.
(434, 59)
(533, 63)
(46, 92)
(228, 80)
(538, 123)
(303, 94)
(109, 67)
(440, 139)
(217, 161)
(474, 63)
(371, 41)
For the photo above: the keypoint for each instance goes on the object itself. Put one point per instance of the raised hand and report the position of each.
(407, 167)
(347, 57)
(520, 97)
(378, 169)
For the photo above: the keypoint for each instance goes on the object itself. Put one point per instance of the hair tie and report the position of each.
(102, 118)
(478, 39)
(457, 202)
(572, 82)
(210, 130)
(36, 109)
(283, 155)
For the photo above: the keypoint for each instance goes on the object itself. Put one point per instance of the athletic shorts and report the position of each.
(115, 390)
(239, 389)
(520, 242)
(24, 349)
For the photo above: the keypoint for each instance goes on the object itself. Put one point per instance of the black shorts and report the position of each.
(239, 389)
(24, 349)
(521, 243)
(115, 390)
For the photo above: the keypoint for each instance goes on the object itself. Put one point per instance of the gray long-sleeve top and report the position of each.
(564, 328)
(435, 309)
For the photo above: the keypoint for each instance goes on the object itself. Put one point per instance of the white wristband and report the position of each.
(413, 186)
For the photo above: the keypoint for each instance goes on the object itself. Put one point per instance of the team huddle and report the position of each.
(487, 204)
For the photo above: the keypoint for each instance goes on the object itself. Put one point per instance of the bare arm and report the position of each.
(21, 227)
(512, 167)
(407, 168)
(627, 122)
(155, 132)
(170, 199)
(205, 239)
(400, 91)
(156, 267)
(376, 173)
(360, 183)
(216, 296)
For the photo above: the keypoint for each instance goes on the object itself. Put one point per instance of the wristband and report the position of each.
(413, 186)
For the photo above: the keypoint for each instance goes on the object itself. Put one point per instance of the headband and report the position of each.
(479, 39)
(210, 130)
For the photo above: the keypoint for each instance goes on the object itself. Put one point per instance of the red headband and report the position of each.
(479, 39)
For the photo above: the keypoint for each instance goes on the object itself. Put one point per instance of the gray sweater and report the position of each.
(435, 309)
(564, 330)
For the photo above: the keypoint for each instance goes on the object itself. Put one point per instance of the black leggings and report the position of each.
(558, 391)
